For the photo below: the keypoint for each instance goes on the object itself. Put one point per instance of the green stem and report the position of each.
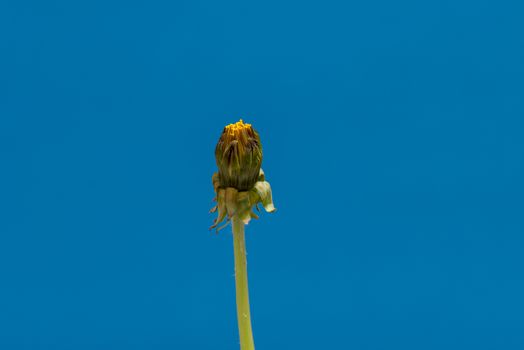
(243, 314)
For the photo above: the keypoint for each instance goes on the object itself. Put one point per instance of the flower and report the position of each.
(239, 183)
(238, 155)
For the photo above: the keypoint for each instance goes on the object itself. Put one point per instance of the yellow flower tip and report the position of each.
(238, 127)
(240, 132)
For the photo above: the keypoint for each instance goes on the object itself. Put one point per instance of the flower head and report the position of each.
(240, 183)
(238, 155)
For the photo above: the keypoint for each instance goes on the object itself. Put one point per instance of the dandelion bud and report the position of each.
(239, 156)
(240, 185)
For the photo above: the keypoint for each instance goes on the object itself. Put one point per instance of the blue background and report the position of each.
(393, 140)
